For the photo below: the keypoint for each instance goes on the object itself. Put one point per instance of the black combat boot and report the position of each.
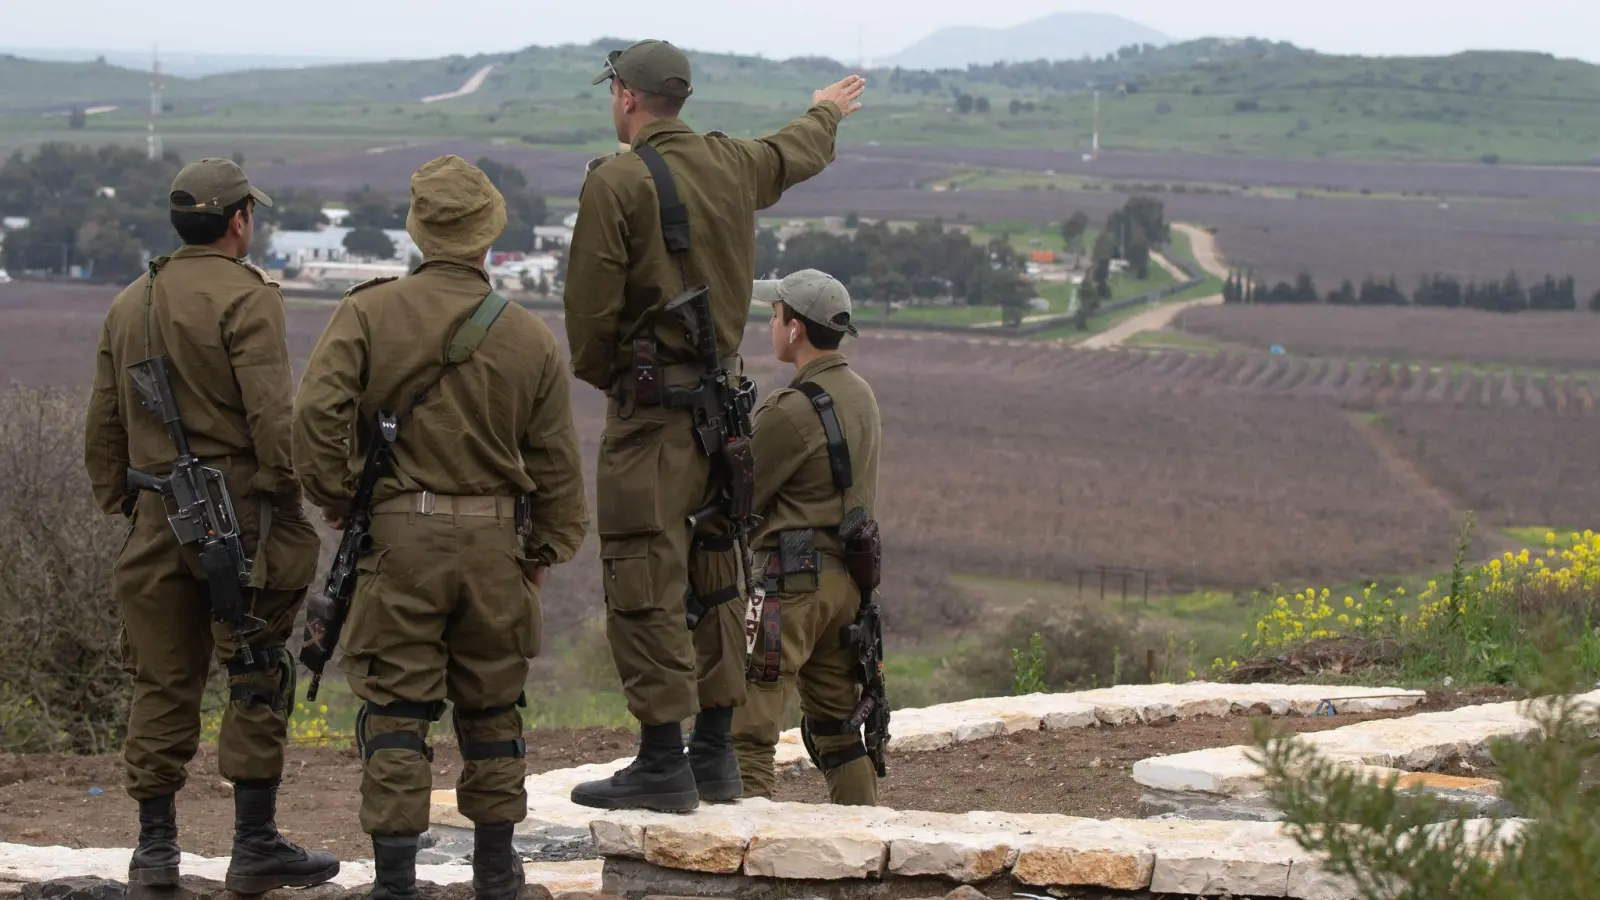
(262, 859)
(395, 862)
(658, 779)
(155, 860)
(711, 756)
(496, 867)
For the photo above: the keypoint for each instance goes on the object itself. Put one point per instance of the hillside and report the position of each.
(1214, 96)
(1063, 36)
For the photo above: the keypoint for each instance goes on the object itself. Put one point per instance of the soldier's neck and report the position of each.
(228, 246)
(808, 354)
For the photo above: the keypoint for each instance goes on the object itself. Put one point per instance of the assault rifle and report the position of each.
(863, 554)
(721, 410)
(325, 614)
(204, 516)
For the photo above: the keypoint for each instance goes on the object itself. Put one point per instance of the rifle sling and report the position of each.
(674, 220)
(468, 336)
(838, 449)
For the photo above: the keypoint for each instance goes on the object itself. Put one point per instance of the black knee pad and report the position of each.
(473, 750)
(395, 740)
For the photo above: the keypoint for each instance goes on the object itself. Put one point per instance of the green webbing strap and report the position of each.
(472, 331)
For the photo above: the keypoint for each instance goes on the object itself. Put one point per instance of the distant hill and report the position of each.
(184, 65)
(1063, 36)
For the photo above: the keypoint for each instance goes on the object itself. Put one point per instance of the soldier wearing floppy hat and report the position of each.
(483, 494)
(796, 496)
(219, 324)
(676, 209)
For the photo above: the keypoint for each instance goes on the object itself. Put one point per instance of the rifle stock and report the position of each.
(326, 613)
(863, 555)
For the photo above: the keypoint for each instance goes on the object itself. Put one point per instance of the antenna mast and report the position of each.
(153, 140)
(1096, 151)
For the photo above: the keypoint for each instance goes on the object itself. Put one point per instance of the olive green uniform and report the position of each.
(795, 490)
(220, 325)
(443, 609)
(650, 473)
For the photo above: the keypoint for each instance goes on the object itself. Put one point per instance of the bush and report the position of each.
(62, 688)
(1065, 649)
(1490, 623)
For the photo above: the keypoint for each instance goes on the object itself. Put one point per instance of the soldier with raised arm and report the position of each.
(483, 494)
(676, 212)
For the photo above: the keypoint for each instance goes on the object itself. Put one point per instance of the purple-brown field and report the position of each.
(1030, 461)
(1563, 339)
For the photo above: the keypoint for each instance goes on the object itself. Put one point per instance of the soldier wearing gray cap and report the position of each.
(676, 210)
(809, 595)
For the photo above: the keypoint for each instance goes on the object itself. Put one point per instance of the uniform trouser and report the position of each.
(442, 611)
(650, 477)
(168, 640)
(815, 661)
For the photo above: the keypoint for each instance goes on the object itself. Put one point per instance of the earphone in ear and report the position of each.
(792, 333)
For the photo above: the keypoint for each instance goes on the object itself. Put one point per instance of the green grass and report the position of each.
(1197, 97)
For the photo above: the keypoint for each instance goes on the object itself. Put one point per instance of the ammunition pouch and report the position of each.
(474, 750)
(863, 556)
(799, 562)
(827, 762)
(396, 740)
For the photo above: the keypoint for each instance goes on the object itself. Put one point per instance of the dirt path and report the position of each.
(50, 800)
(1205, 250)
(1153, 319)
(471, 87)
(1176, 273)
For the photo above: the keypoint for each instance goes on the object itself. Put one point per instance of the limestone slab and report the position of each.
(1090, 863)
(1210, 869)
(1421, 742)
(22, 863)
(815, 852)
(711, 846)
(968, 859)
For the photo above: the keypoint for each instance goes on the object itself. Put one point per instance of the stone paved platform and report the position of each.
(808, 843)
(1419, 743)
(22, 864)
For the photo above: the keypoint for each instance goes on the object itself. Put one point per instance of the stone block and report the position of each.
(1309, 880)
(814, 852)
(965, 858)
(1050, 865)
(1213, 869)
(696, 846)
(614, 836)
(1223, 770)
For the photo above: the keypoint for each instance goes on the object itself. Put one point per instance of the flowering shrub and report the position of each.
(1485, 617)
(306, 726)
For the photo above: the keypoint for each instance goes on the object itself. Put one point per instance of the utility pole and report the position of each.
(153, 140)
(1096, 151)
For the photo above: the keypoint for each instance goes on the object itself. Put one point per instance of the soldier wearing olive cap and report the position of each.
(796, 493)
(631, 253)
(219, 323)
(483, 494)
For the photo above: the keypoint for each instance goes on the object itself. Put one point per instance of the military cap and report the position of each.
(211, 185)
(456, 211)
(814, 295)
(650, 65)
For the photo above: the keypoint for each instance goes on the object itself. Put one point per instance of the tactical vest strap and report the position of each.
(838, 450)
(472, 332)
(674, 215)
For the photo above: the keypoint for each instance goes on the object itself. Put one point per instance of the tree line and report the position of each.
(1131, 233)
(105, 209)
(1507, 295)
(919, 265)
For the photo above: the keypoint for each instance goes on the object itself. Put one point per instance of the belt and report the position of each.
(827, 560)
(681, 373)
(428, 503)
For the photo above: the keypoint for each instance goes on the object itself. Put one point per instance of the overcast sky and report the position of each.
(422, 28)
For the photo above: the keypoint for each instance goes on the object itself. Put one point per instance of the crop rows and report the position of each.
(1036, 462)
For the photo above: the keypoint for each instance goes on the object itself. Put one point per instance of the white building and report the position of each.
(296, 248)
(552, 235)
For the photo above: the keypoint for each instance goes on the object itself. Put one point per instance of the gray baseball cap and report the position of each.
(814, 294)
